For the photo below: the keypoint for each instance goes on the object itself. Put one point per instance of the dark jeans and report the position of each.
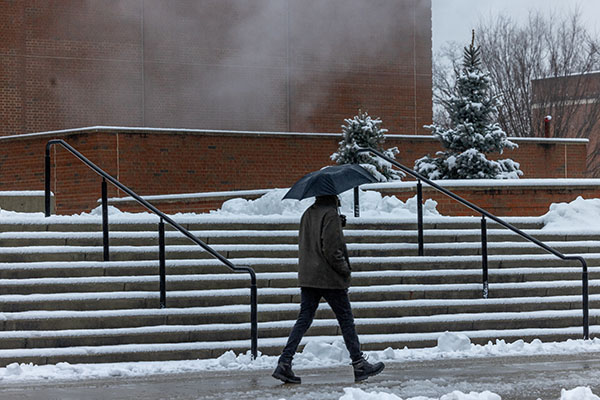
(340, 304)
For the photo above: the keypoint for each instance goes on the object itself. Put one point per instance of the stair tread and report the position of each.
(279, 342)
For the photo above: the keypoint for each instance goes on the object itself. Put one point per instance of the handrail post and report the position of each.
(253, 317)
(420, 216)
(162, 264)
(356, 202)
(105, 221)
(484, 257)
(585, 295)
(47, 181)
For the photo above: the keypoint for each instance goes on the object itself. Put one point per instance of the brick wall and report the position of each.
(574, 105)
(271, 65)
(526, 200)
(153, 162)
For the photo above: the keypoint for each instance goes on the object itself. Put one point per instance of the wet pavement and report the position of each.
(522, 378)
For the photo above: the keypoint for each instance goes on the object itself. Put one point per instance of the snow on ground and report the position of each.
(316, 354)
(359, 394)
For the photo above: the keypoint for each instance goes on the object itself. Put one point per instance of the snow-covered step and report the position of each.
(237, 331)
(228, 280)
(125, 253)
(36, 222)
(145, 238)
(44, 320)
(218, 297)
(40, 269)
(271, 346)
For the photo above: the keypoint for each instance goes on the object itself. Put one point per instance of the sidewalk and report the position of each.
(513, 378)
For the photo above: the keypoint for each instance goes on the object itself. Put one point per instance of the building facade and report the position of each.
(262, 65)
(569, 107)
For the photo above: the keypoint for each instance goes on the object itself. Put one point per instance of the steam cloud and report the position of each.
(228, 64)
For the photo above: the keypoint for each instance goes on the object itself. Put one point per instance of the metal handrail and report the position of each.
(484, 214)
(163, 218)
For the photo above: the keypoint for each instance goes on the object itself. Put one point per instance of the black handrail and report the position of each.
(163, 218)
(484, 214)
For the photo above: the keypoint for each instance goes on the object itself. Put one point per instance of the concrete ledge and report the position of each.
(25, 201)
(514, 197)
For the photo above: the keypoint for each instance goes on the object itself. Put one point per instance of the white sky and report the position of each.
(454, 19)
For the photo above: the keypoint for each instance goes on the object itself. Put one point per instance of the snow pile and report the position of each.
(372, 204)
(451, 341)
(358, 394)
(579, 393)
(270, 203)
(315, 354)
(322, 351)
(580, 214)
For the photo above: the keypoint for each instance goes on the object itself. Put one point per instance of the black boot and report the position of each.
(363, 369)
(284, 373)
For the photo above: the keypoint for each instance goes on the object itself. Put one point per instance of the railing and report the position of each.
(485, 214)
(161, 234)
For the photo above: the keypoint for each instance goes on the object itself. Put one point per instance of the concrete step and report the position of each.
(126, 253)
(269, 346)
(148, 238)
(238, 331)
(49, 269)
(127, 318)
(219, 297)
(149, 223)
(200, 281)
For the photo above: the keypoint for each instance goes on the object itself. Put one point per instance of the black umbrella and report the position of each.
(330, 181)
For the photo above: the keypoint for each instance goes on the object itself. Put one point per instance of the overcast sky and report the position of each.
(454, 19)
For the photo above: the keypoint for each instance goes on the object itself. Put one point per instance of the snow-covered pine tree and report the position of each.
(364, 131)
(472, 133)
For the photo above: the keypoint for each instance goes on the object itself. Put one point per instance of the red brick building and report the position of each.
(248, 67)
(573, 102)
(268, 65)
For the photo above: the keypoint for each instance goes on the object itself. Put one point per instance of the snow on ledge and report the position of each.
(13, 193)
(257, 133)
(491, 183)
(201, 195)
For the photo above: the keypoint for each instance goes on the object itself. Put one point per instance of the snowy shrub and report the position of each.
(364, 131)
(472, 133)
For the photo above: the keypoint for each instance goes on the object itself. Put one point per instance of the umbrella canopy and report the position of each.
(330, 181)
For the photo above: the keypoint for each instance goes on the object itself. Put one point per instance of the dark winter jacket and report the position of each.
(323, 257)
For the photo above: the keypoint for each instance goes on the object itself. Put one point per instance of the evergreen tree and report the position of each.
(364, 131)
(473, 130)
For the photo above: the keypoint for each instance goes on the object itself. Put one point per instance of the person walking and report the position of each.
(324, 272)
